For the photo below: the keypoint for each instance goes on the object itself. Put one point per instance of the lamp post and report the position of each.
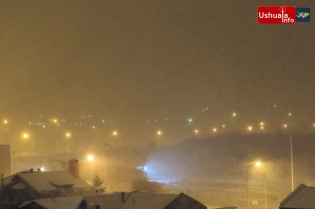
(257, 164)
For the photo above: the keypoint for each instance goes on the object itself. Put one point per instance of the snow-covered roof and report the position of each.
(51, 180)
(302, 197)
(135, 200)
(148, 200)
(56, 203)
(6, 181)
(113, 200)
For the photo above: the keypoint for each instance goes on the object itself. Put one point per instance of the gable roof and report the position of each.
(51, 180)
(133, 200)
(113, 200)
(6, 180)
(56, 203)
(148, 200)
(302, 197)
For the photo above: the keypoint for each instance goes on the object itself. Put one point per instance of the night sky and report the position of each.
(136, 63)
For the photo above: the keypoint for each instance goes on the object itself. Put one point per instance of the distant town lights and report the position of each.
(234, 114)
(5, 121)
(190, 120)
(250, 128)
(115, 133)
(159, 133)
(25, 136)
(214, 130)
(196, 131)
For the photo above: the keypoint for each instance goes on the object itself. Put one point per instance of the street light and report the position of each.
(257, 164)
(25, 135)
(90, 158)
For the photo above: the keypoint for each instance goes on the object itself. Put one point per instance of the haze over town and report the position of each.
(190, 93)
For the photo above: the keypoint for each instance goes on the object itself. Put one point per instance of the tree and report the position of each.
(98, 182)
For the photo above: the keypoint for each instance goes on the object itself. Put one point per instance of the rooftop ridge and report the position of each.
(300, 187)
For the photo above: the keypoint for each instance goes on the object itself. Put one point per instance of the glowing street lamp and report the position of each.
(256, 164)
(25, 136)
(196, 131)
(115, 133)
(5, 121)
(250, 128)
(68, 134)
(90, 158)
(159, 133)
(214, 130)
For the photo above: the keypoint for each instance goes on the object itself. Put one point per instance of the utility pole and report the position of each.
(291, 164)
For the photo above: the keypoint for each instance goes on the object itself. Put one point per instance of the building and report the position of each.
(121, 200)
(53, 203)
(5, 160)
(28, 185)
(302, 197)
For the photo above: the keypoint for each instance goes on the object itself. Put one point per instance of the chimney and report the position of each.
(31, 170)
(74, 167)
(123, 196)
(38, 169)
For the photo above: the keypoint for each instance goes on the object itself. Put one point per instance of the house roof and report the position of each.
(6, 180)
(227, 207)
(135, 200)
(148, 200)
(132, 201)
(113, 200)
(56, 203)
(302, 197)
(51, 180)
